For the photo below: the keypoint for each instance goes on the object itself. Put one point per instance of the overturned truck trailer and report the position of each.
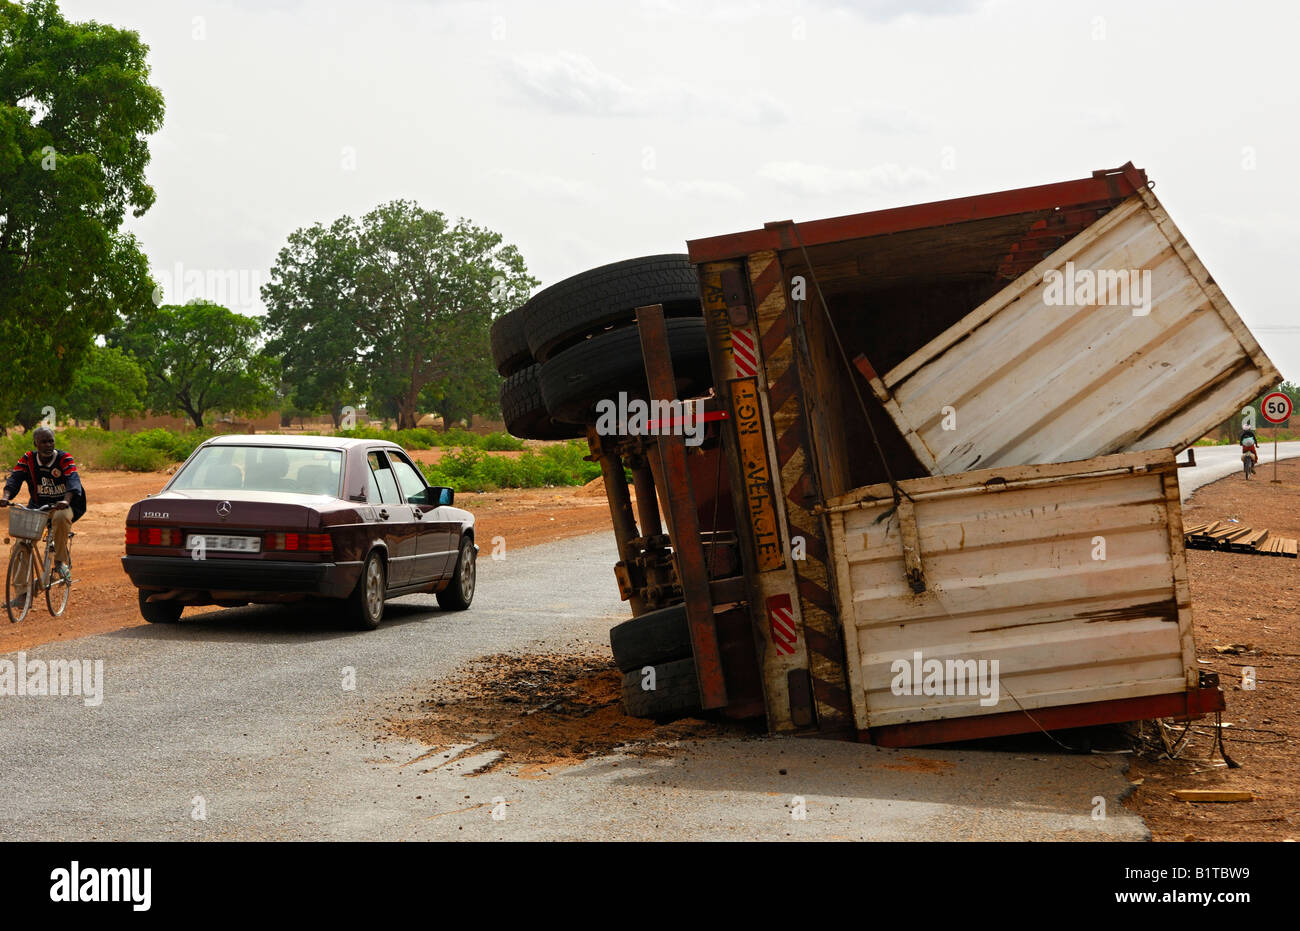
(937, 498)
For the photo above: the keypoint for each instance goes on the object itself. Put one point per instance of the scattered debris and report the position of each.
(539, 711)
(1212, 795)
(1234, 537)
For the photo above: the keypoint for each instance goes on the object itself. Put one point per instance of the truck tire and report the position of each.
(599, 368)
(525, 412)
(654, 637)
(509, 347)
(676, 691)
(576, 307)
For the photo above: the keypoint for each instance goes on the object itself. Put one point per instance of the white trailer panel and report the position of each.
(1072, 577)
(1026, 378)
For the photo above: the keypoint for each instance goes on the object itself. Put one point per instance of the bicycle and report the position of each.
(26, 526)
(1248, 465)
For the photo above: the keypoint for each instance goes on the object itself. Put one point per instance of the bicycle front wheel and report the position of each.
(22, 567)
(56, 596)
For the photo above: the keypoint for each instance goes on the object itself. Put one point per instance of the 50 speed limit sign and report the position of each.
(1276, 407)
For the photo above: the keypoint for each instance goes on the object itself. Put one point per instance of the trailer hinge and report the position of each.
(911, 545)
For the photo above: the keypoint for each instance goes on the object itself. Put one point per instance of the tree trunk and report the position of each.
(196, 416)
(406, 411)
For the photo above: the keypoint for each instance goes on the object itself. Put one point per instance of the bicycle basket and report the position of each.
(27, 524)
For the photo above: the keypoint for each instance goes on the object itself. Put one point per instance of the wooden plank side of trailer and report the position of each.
(1071, 578)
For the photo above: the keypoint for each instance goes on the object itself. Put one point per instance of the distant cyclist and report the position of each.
(1250, 445)
(53, 479)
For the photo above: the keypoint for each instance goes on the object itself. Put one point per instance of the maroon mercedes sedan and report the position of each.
(262, 519)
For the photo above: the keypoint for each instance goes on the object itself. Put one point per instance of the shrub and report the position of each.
(500, 442)
(134, 457)
(471, 469)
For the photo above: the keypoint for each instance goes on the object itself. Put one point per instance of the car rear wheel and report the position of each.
(159, 612)
(365, 606)
(676, 690)
(460, 591)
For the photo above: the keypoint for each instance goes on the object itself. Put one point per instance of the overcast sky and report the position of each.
(587, 132)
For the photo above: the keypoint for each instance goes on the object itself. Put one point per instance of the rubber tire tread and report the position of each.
(676, 692)
(524, 410)
(510, 352)
(594, 300)
(651, 638)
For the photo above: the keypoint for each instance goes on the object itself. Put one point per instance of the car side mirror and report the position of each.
(446, 497)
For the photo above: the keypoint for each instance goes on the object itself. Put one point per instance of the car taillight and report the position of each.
(300, 542)
(319, 543)
(152, 536)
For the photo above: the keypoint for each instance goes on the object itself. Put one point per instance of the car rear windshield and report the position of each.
(300, 470)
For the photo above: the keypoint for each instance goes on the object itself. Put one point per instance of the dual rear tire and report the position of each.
(576, 343)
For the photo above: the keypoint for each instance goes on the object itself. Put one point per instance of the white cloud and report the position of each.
(676, 190)
(810, 180)
(544, 185)
(567, 82)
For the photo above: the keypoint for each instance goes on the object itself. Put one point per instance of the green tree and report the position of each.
(200, 357)
(76, 108)
(107, 382)
(311, 300)
(398, 302)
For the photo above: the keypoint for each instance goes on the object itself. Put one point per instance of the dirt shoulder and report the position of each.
(103, 599)
(1246, 604)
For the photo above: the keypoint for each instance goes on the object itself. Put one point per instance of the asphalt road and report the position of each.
(1214, 462)
(245, 711)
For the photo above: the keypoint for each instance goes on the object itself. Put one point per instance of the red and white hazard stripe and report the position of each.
(744, 352)
(780, 616)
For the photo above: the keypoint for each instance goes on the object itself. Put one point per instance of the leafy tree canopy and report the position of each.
(76, 108)
(200, 357)
(390, 305)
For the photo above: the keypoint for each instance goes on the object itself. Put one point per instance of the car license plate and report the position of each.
(222, 544)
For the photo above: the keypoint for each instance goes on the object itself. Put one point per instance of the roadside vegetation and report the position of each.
(468, 466)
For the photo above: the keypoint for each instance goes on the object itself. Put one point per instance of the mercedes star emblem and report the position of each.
(223, 510)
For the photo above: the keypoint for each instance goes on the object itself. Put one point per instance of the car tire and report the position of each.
(601, 367)
(464, 578)
(525, 412)
(510, 351)
(654, 637)
(594, 300)
(676, 691)
(364, 608)
(159, 612)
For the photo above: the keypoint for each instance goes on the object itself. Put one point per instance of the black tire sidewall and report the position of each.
(650, 639)
(601, 367)
(592, 300)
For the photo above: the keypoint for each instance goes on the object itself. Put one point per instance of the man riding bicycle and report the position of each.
(53, 478)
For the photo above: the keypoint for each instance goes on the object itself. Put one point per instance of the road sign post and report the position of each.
(1276, 408)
